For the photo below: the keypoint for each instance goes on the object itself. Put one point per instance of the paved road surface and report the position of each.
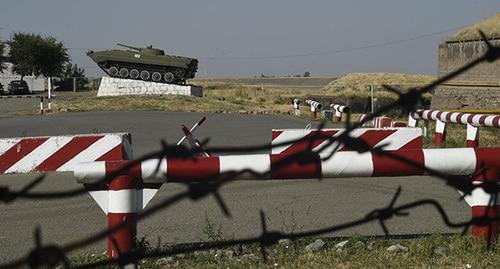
(289, 205)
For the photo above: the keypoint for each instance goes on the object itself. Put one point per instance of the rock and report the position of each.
(341, 244)
(249, 256)
(315, 246)
(165, 260)
(439, 251)
(285, 242)
(397, 248)
(359, 244)
(370, 246)
(229, 254)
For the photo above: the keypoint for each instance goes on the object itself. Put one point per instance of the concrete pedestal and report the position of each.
(118, 86)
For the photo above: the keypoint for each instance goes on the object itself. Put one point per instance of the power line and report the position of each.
(376, 45)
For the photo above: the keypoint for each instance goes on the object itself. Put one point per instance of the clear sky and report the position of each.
(246, 38)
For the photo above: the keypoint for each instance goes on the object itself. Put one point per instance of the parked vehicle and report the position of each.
(18, 87)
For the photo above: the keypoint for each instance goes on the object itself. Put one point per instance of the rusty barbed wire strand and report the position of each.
(51, 254)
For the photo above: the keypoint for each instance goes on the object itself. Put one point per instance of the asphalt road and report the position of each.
(298, 205)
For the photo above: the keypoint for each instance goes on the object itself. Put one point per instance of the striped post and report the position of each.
(41, 104)
(315, 107)
(440, 134)
(472, 136)
(296, 107)
(485, 205)
(122, 206)
(339, 109)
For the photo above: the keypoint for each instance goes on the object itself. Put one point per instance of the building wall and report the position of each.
(35, 84)
(454, 55)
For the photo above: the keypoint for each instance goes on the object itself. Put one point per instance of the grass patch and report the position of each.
(435, 251)
(355, 84)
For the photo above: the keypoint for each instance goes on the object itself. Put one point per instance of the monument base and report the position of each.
(119, 86)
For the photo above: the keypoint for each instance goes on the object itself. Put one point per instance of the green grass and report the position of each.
(456, 252)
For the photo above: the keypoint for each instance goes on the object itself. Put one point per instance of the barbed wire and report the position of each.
(52, 255)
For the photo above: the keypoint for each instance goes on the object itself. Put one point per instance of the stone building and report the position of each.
(479, 87)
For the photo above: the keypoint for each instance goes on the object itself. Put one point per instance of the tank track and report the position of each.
(160, 74)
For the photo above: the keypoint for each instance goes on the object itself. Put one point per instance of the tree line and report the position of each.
(36, 55)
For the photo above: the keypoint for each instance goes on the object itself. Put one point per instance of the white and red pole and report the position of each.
(448, 161)
(339, 109)
(472, 136)
(41, 104)
(296, 107)
(440, 134)
(122, 206)
(315, 107)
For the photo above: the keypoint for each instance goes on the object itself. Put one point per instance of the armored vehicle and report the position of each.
(149, 64)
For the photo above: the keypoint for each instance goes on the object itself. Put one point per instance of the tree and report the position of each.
(32, 54)
(3, 59)
(69, 72)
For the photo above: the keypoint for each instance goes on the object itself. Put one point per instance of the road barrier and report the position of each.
(450, 161)
(391, 138)
(315, 107)
(473, 121)
(61, 153)
(339, 109)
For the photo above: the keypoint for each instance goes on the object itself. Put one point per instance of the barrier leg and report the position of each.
(412, 122)
(122, 206)
(472, 136)
(485, 205)
(440, 135)
(338, 116)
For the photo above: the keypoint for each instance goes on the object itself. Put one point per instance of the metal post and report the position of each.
(74, 84)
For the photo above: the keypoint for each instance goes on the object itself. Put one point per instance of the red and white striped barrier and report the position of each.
(315, 107)
(393, 139)
(473, 121)
(339, 109)
(450, 161)
(60, 153)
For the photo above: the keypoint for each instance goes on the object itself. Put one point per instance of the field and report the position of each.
(243, 95)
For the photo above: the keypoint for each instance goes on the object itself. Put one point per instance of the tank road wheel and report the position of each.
(113, 71)
(169, 77)
(134, 73)
(156, 76)
(124, 72)
(179, 74)
(145, 75)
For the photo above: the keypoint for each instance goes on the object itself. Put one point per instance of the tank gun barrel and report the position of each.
(127, 46)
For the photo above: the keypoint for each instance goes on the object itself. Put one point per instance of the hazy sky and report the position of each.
(245, 38)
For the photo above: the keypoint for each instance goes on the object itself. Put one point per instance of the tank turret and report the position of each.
(149, 64)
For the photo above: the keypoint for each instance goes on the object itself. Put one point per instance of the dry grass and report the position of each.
(356, 84)
(490, 26)
(454, 252)
(219, 97)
